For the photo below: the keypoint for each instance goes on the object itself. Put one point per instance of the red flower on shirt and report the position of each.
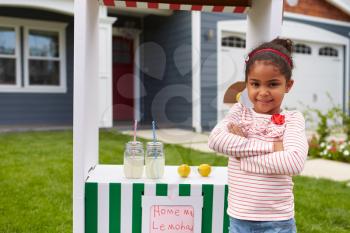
(278, 119)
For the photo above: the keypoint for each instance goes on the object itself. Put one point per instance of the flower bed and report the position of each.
(333, 150)
(322, 144)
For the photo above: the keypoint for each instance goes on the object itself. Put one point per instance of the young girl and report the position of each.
(266, 145)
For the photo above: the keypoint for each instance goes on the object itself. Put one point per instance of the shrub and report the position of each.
(319, 145)
(333, 150)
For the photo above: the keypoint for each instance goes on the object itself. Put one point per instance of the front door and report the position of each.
(123, 79)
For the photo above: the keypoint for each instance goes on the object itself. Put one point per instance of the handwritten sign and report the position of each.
(161, 214)
(178, 219)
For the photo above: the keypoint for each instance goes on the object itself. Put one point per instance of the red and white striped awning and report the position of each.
(232, 6)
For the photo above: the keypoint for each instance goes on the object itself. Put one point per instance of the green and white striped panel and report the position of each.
(116, 207)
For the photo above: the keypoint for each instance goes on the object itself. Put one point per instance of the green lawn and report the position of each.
(36, 184)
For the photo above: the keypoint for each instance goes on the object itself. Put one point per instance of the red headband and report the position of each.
(284, 56)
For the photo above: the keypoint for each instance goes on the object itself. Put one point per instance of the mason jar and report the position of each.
(134, 160)
(155, 160)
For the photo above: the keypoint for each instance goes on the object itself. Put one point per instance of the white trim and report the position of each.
(17, 56)
(60, 6)
(121, 9)
(32, 22)
(40, 25)
(293, 30)
(107, 20)
(105, 70)
(196, 70)
(344, 6)
(315, 19)
(47, 90)
(135, 35)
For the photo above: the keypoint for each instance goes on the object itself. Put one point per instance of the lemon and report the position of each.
(204, 170)
(238, 96)
(184, 170)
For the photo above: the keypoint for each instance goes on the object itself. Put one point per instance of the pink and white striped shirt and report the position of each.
(259, 179)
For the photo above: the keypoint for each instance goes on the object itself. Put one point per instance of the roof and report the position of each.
(344, 5)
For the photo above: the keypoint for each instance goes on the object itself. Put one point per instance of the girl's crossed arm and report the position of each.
(222, 141)
(291, 160)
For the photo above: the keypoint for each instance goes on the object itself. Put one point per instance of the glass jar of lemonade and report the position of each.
(134, 160)
(155, 160)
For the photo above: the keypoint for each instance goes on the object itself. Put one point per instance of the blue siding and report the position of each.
(40, 108)
(209, 67)
(167, 97)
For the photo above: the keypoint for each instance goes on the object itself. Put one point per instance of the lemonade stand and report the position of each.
(103, 199)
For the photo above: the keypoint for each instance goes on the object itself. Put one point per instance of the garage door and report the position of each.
(318, 73)
(318, 76)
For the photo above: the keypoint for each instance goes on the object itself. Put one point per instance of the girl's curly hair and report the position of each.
(284, 46)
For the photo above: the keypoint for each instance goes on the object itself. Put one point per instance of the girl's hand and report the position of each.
(278, 146)
(234, 129)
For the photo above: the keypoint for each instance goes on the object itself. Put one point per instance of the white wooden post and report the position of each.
(85, 113)
(196, 70)
(264, 22)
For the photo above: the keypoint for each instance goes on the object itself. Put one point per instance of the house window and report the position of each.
(32, 56)
(8, 55)
(43, 60)
(233, 41)
(302, 48)
(328, 51)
